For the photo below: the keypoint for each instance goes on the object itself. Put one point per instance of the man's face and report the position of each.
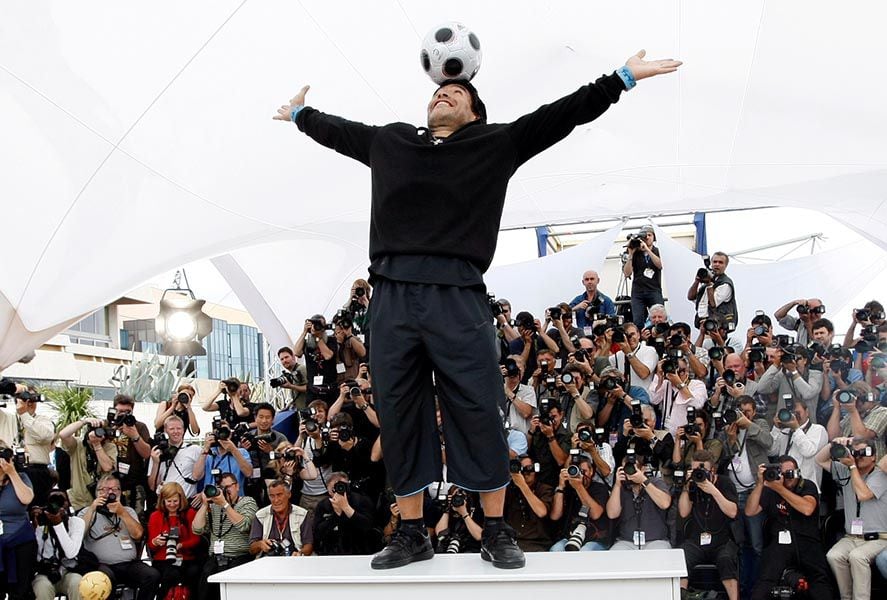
(176, 432)
(548, 359)
(734, 362)
(110, 486)
(632, 336)
(718, 264)
(864, 462)
(822, 335)
(230, 488)
(658, 316)
(748, 410)
(649, 420)
(809, 315)
(244, 392)
(506, 310)
(287, 360)
(590, 280)
(801, 412)
(649, 238)
(528, 471)
(264, 420)
(788, 465)
(279, 497)
(556, 418)
(450, 106)
(123, 409)
(587, 474)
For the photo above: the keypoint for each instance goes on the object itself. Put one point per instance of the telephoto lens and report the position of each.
(577, 537)
(699, 475)
(574, 471)
(845, 397)
(784, 415)
(584, 435)
(458, 500)
(210, 491)
(514, 465)
(172, 543)
(454, 546)
(838, 451)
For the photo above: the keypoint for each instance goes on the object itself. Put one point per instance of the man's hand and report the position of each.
(641, 69)
(547, 430)
(285, 111)
(116, 507)
(6, 466)
(706, 486)
(265, 545)
(339, 503)
(265, 447)
(644, 432)
(155, 454)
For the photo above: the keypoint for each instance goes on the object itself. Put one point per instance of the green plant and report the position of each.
(70, 404)
(149, 379)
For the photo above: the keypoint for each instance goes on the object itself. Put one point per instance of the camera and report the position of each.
(211, 491)
(495, 307)
(514, 466)
(710, 325)
(785, 415)
(343, 318)
(717, 352)
(573, 469)
(631, 462)
(729, 377)
(341, 487)
(457, 500)
(511, 367)
(545, 406)
(581, 355)
(567, 378)
(862, 314)
(584, 435)
(54, 506)
(636, 418)
(119, 419)
(671, 363)
(618, 336)
(760, 330)
(278, 548)
(845, 397)
(676, 341)
(599, 436)
(791, 583)
(161, 442)
(17, 456)
(284, 378)
(172, 543)
(555, 313)
(757, 353)
(704, 274)
(454, 546)
(634, 241)
(838, 451)
(608, 384)
(346, 432)
(700, 474)
(577, 534)
(814, 348)
(772, 472)
(51, 568)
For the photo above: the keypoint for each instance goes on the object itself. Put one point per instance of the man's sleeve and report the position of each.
(723, 293)
(788, 322)
(255, 532)
(768, 383)
(551, 123)
(878, 484)
(349, 138)
(877, 421)
(650, 357)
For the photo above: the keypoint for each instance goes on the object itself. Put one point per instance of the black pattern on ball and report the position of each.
(425, 60)
(475, 43)
(452, 67)
(443, 35)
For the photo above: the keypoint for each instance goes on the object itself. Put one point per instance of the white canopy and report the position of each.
(138, 137)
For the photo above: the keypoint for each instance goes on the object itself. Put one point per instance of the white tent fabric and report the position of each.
(835, 276)
(138, 137)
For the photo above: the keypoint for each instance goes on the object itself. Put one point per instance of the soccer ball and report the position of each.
(95, 585)
(450, 51)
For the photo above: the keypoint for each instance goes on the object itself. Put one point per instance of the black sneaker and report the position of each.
(407, 545)
(499, 547)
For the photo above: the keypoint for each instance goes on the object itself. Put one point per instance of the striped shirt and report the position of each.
(236, 537)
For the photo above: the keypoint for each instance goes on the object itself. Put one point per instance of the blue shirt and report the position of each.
(13, 513)
(225, 464)
(607, 307)
(622, 412)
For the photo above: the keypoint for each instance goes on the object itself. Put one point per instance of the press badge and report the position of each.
(785, 536)
(648, 273)
(557, 363)
(123, 468)
(856, 527)
(736, 462)
(318, 380)
(340, 367)
(125, 543)
(640, 539)
(218, 547)
(1, 527)
(257, 473)
(704, 538)
(614, 437)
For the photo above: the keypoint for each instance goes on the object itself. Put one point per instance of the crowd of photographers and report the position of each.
(627, 432)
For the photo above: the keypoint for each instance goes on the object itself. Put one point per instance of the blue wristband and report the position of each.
(295, 112)
(626, 77)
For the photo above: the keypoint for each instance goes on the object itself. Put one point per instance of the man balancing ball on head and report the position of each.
(437, 200)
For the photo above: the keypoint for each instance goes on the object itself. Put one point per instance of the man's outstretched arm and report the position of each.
(350, 138)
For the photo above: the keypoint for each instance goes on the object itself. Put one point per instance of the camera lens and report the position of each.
(784, 415)
(573, 471)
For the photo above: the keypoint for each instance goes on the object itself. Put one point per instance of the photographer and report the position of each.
(574, 396)
(852, 463)
(692, 440)
(644, 268)
(747, 444)
(353, 402)
(533, 341)
(349, 348)
(641, 505)
(800, 439)
(17, 543)
(636, 361)
(731, 384)
(348, 453)
(180, 406)
(292, 533)
(112, 535)
(657, 444)
(520, 399)
(527, 502)
(230, 519)
(678, 338)
(591, 298)
(459, 528)
(792, 373)
(563, 333)
(92, 455)
(133, 452)
(294, 465)
(860, 416)
(550, 441)
(230, 406)
(594, 445)
(673, 392)
(872, 313)
(713, 292)
(838, 374)
(320, 351)
(343, 522)
(222, 456)
(172, 461)
(294, 377)
(59, 538)
(808, 312)
(262, 440)
(708, 502)
(790, 503)
(615, 399)
(36, 434)
(172, 543)
(580, 503)
(359, 305)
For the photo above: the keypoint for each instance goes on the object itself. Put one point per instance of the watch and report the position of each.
(629, 356)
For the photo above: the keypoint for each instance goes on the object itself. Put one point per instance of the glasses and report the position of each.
(225, 488)
(110, 489)
(528, 470)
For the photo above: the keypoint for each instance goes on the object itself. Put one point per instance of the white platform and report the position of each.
(653, 573)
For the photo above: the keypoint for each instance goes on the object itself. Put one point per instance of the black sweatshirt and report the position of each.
(433, 201)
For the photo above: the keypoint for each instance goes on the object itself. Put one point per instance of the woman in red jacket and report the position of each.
(170, 527)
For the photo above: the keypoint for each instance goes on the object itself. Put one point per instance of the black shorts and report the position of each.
(724, 555)
(439, 339)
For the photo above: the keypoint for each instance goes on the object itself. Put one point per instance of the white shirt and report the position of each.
(644, 353)
(673, 404)
(180, 467)
(804, 447)
(525, 393)
(741, 473)
(69, 541)
(723, 293)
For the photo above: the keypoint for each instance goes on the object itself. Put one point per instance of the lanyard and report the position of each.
(281, 524)
(223, 514)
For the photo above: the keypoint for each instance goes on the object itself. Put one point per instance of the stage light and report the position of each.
(182, 323)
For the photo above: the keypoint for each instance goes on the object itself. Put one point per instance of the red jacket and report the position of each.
(160, 522)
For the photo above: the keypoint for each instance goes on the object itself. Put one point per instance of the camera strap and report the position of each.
(182, 475)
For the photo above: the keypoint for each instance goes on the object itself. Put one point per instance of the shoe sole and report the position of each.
(425, 555)
(485, 555)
